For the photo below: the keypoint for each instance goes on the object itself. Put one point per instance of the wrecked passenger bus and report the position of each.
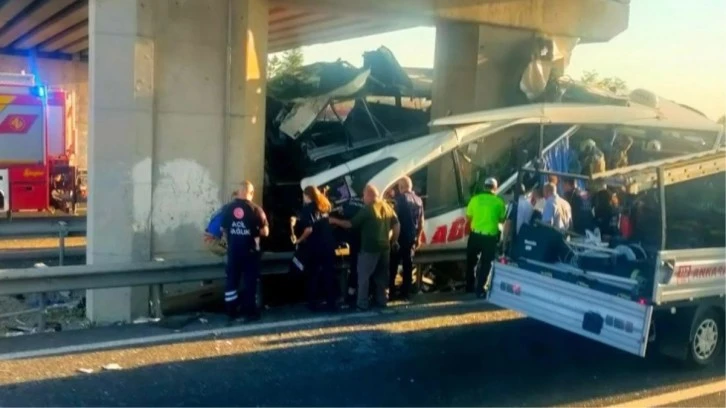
(446, 166)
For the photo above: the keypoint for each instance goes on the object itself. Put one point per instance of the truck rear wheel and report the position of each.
(706, 339)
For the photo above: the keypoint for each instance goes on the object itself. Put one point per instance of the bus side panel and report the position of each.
(607, 319)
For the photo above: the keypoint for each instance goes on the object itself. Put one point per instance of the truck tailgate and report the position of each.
(602, 317)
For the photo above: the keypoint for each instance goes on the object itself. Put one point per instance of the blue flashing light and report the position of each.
(39, 91)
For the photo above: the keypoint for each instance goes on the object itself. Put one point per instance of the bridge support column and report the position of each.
(176, 120)
(479, 67)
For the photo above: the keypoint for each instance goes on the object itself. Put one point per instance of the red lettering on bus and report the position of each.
(439, 235)
(457, 230)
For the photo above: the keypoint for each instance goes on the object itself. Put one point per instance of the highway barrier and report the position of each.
(153, 274)
(21, 227)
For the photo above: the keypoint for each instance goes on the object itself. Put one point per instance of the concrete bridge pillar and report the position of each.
(176, 120)
(479, 67)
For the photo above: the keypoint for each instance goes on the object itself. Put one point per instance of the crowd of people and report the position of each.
(384, 234)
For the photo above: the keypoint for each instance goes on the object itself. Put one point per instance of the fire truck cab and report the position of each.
(37, 145)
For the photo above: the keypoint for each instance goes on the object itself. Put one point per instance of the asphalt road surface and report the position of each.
(446, 353)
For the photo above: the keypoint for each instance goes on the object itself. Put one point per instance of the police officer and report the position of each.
(243, 223)
(318, 242)
(348, 211)
(410, 213)
(485, 212)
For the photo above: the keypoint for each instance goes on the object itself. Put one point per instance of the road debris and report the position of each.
(112, 367)
(144, 320)
(85, 370)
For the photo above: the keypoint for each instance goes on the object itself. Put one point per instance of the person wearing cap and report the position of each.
(485, 212)
(592, 158)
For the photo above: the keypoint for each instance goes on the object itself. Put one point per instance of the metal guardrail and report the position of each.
(40, 254)
(152, 274)
(79, 277)
(42, 226)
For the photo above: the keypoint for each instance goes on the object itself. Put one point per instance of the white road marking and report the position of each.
(676, 396)
(165, 338)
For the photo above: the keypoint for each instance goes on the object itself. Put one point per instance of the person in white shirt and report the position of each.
(518, 214)
(556, 211)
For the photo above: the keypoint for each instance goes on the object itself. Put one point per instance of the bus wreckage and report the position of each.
(657, 283)
(664, 276)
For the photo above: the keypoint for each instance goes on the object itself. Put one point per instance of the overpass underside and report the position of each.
(177, 108)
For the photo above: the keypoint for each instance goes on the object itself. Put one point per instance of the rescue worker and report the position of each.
(557, 211)
(580, 207)
(619, 154)
(485, 212)
(606, 215)
(518, 213)
(348, 211)
(318, 243)
(57, 194)
(243, 223)
(410, 212)
(536, 198)
(379, 228)
(592, 158)
(213, 237)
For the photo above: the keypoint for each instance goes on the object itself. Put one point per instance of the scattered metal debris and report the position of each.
(112, 367)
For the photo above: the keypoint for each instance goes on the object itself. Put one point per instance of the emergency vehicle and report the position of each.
(37, 145)
(446, 166)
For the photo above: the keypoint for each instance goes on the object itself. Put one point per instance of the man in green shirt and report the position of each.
(379, 231)
(485, 212)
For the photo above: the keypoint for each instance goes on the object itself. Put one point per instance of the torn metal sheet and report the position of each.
(304, 112)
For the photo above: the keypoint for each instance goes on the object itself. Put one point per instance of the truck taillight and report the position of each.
(513, 288)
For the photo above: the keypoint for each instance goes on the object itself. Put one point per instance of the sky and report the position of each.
(675, 48)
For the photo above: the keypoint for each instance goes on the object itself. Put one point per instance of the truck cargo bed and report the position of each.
(604, 317)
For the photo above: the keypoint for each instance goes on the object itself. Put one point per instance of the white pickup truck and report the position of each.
(678, 307)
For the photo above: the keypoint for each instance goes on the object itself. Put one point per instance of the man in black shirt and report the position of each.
(410, 212)
(243, 223)
(581, 215)
(346, 208)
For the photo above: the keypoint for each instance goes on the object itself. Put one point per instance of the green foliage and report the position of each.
(612, 84)
(289, 63)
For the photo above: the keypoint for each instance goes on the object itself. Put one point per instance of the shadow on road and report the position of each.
(372, 363)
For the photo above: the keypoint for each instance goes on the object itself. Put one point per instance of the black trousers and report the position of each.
(403, 256)
(245, 269)
(320, 268)
(353, 265)
(486, 246)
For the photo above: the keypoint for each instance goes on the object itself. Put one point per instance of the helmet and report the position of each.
(653, 146)
(588, 145)
(491, 182)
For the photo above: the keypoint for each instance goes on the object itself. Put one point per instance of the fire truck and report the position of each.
(37, 146)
